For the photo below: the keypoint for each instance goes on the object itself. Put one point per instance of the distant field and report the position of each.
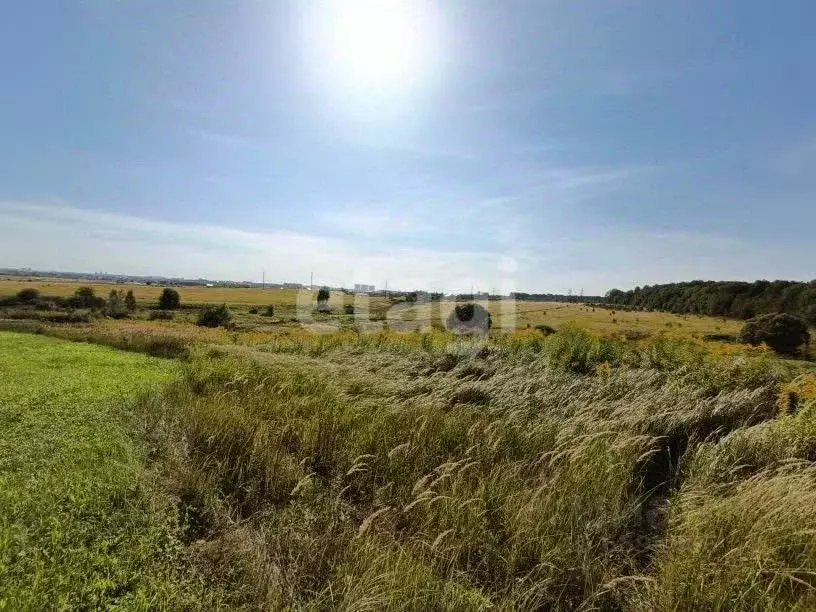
(150, 293)
(599, 320)
(79, 527)
(403, 315)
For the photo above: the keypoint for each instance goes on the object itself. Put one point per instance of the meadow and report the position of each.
(291, 305)
(267, 466)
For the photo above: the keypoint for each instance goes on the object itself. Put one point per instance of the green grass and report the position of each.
(80, 523)
(405, 472)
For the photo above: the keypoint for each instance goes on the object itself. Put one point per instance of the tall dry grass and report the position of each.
(567, 472)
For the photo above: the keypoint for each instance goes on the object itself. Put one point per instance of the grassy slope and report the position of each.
(78, 524)
(369, 479)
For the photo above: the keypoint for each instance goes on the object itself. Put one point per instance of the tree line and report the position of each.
(741, 300)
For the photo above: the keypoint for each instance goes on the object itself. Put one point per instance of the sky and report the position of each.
(539, 146)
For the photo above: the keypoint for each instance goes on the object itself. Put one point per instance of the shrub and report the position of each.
(85, 292)
(130, 300)
(253, 311)
(84, 297)
(348, 309)
(784, 333)
(169, 299)
(469, 318)
(547, 330)
(323, 295)
(215, 316)
(28, 295)
(270, 311)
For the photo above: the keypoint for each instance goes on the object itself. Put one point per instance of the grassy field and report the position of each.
(80, 526)
(400, 315)
(271, 467)
(149, 294)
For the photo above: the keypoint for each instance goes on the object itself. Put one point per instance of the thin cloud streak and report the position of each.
(70, 238)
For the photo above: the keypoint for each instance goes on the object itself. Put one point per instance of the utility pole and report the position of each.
(263, 280)
(311, 281)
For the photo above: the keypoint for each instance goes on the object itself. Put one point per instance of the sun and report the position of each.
(376, 42)
(374, 45)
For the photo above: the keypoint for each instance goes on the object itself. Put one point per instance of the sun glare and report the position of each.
(374, 46)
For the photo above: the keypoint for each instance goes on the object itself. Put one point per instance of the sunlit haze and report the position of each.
(371, 45)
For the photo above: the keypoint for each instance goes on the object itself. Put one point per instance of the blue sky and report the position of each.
(527, 145)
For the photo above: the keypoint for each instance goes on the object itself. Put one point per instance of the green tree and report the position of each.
(130, 300)
(115, 307)
(169, 299)
(85, 297)
(469, 318)
(784, 333)
(323, 295)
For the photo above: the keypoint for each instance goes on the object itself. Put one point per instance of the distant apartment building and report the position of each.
(358, 288)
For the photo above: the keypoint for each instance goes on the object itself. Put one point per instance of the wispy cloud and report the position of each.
(70, 238)
(57, 236)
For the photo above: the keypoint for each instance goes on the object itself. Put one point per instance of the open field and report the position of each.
(293, 306)
(408, 471)
(373, 460)
(149, 294)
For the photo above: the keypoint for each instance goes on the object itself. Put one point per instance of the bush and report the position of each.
(28, 295)
(169, 299)
(469, 318)
(547, 330)
(253, 311)
(270, 311)
(84, 297)
(784, 333)
(348, 309)
(323, 296)
(215, 316)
